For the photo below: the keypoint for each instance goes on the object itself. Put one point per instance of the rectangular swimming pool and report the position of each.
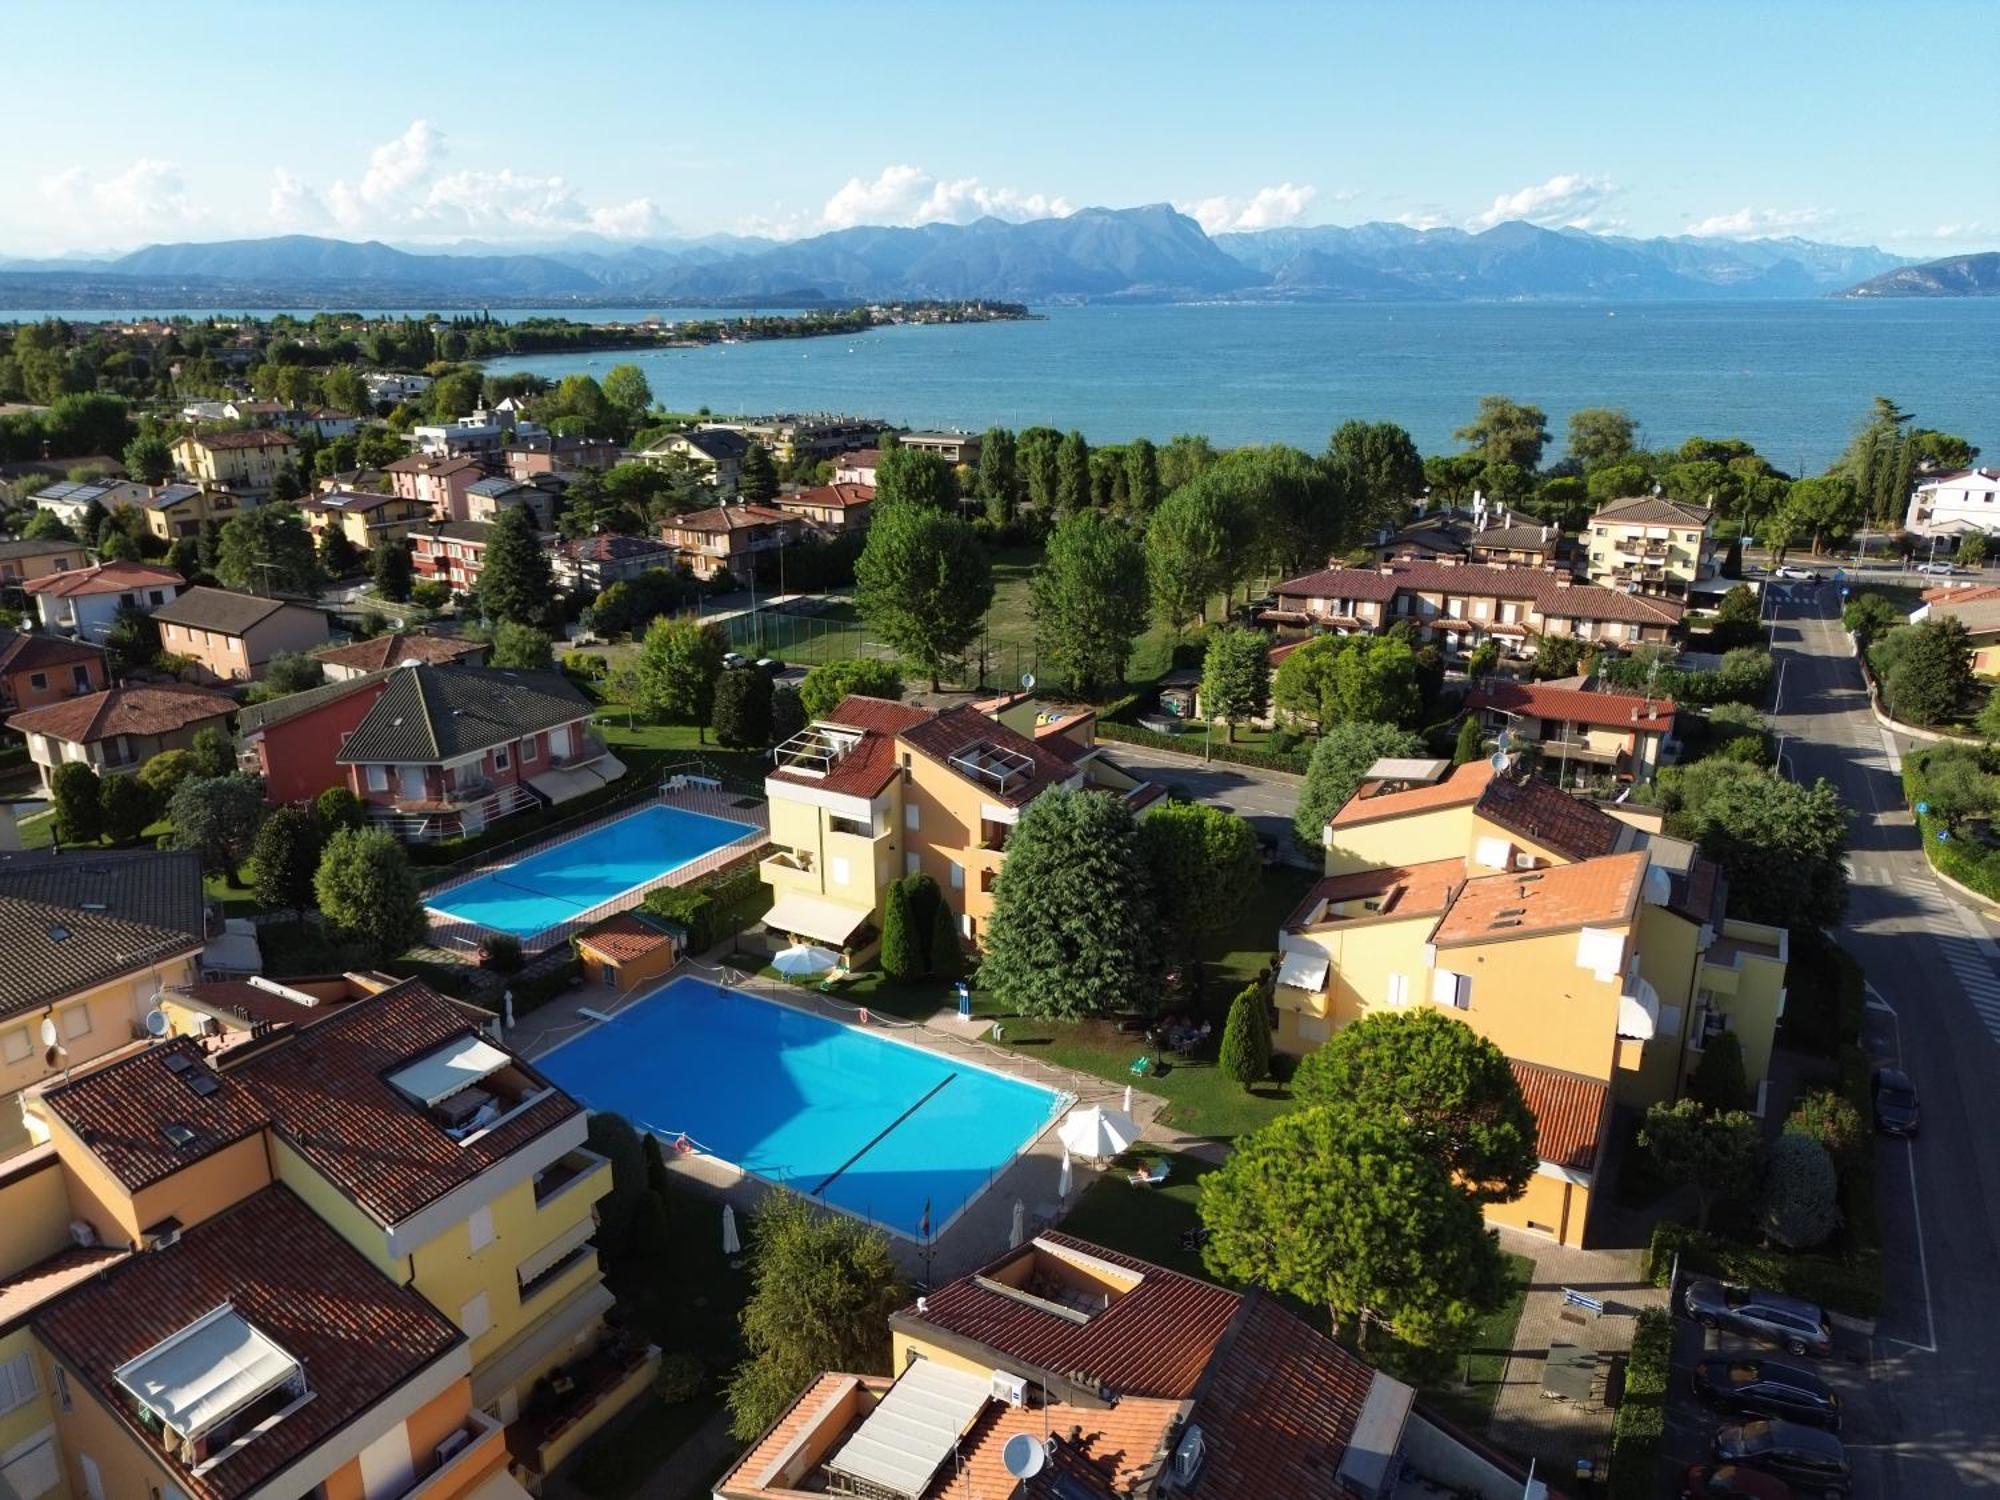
(553, 885)
(872, 1126)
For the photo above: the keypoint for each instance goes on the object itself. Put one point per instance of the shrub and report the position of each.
(690, 907)
(1850, 1285)
(430, 594)
(500, 952)
(947, 953)
(680, 1378)
(1719, 1082)
(78, 800)
(902, 953)
(165, 772)
(1642, 1416)
(338, 808)
(1246, 1037)
(1800, 1191)
(127, 806)
(1833, 1121)
(588, 665)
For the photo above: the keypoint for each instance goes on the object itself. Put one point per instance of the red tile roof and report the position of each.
(1494, 908)
(1652, 510)
(1552, 594)
(862, 772)
(944, 735)
(399, 646)
(1465, 785)
(1544, 700)
(424, 463)
(103, 578)
(720, 518)
(883, 715)
(252, 438)
(326, 1087)
(1551, 817)
(1154, 1340)
(26, 651)
(1110, 1451)
(122, 1112)
(1570, 1113)
(1403, 891)
(1278, 1409)
(159, 709)
(626, 936)
(357, 1334)
(843, 495)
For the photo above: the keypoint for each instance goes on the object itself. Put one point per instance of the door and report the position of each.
(559, 742)
(412, 779)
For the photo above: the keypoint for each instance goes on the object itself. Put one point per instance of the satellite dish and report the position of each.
(157, 1024)
(48, 1031)
(1499, 760)
(1027, 682)
(1023, 1456)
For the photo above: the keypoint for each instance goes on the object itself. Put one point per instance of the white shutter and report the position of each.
(1451, 989)
(479, 1228)
(475, 1317)
(18, 1385)
(32, 1467)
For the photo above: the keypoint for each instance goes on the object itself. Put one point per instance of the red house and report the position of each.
(292, 741)
(38, 669)
(451, 554)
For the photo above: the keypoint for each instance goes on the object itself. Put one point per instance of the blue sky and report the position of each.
(420, 123)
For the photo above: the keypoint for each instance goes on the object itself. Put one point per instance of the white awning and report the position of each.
(565, 782)
(1639, 1011)
(914, 1428)
(442, 1074)
(814, 917)
(502, 1486)
(1303, 971)
(213, 1367)
(566, 1323)
(556, 1248)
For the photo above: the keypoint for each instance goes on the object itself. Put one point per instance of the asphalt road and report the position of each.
(1266, 799)
(1926, 1422)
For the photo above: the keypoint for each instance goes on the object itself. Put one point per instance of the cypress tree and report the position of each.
(901, 957)
(1246, 1038)
(1468, 746)
(946, 954)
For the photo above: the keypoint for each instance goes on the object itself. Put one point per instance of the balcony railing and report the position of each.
(585, 747)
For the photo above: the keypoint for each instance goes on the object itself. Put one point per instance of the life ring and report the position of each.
(864, 1015)
(683, 1145)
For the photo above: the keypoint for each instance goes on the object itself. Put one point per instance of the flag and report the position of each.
(924, 1227)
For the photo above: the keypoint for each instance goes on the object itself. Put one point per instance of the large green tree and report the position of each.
(1507, 432)
(1355, 1214)
(514, 579)
(673, 679)
(1339, 763)
(1782, 845)
(822, 1286)
(1717, 1155)
(391, 570)
(1203, 865)
(1235, 676)
(525, 648)
(218, 817)
(267, 551)
(369, 893)
(1072, 475)
(829, 682)
(1142, 477)
(1089, 600)
(78, 801)
(1073, 931)
(1929, 670)
(999, 475)
(757, 476)
(913, 476)
(148, 459)
(1600, 435)
(626, 388)
(743, 708)
(284, 859)
(1192, 546)
(1385, 470)
(1443, 1080)
(1334, 678)
(128, 807)
(923, 583)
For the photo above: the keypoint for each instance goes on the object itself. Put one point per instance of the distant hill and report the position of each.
(1150, 253)
(1954, 276)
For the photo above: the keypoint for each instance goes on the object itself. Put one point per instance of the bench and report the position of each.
(1583, 1301)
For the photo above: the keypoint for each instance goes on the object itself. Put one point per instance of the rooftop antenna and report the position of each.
(157, 1024)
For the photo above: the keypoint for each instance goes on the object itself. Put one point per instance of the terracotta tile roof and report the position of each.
(249, 1002)
(1543, 700)
(221, 442)
(1652, 510)
(811, 1406)
(1401, 890)
(843, 495)
(1596, 892)
(423, 463)
(884, 715)
(1549, 816)
(328, 1093)
(20, 1295)
(1570, 1113)
(612, 548)
(357, 1334)
(859, 458)
(1278, 1409)
(161, 708)
(123, 1112)
(28, 651)
(1114, 1450)
(721, 518)
(1154, 1340)
(626, 936)
(944, 735)
(104, 578)
(862, 772)
(399, 646)
(1551, 594)
(1465, 785)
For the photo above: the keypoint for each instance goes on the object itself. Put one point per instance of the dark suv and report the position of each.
(1791, 1322)
(1810, 1461)
(1746, 1387)
(1895, 1102)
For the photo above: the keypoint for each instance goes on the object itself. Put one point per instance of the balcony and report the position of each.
(472, 1450)
(575, 1400)
(585, 746)
(577, 1169)
(789, 870)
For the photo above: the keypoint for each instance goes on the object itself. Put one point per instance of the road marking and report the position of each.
(1889, 749)
(1916, 1206)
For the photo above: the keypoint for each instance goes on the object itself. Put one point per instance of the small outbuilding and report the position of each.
(627, 950)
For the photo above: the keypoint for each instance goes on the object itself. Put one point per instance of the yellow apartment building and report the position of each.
(246, 461)
(1652, 545)
(366, 518)
(1596, 954)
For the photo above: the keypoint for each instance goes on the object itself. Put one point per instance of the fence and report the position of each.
(807, 640)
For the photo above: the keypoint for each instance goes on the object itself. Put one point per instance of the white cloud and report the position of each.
(1567, 199)
(907, 195)
(1267, 208)
(149, 198)
(1416, 219)
(394, 169)
(1756, 223)
(293, 202)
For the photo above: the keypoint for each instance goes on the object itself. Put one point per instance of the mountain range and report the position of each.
(1151, 253)
(1954, 276)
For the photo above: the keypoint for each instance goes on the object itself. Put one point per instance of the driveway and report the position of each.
(1267, 799)
(1930, 1424)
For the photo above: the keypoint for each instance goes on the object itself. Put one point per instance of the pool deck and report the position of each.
(981, 1229)
(456, 935)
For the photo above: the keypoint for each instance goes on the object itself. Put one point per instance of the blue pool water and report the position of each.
(550, 887)
(866, 1124)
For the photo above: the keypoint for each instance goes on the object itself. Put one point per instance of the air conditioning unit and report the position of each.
(161, 1235)
(1525, 861)
(1189, 1456)
(1010, 1388)
(81, 1233)
(452, 1446)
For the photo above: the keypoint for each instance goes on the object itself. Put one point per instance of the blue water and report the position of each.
(559, 883)
(868, 1125)
(1794, 378)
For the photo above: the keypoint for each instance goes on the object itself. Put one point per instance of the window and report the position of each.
(911, 864)
(530, 752)
(38, 680)
(1399, 989)
(475, 1317)
(500, 758)
(378, 778)
(479, 1229)
(912, 816)
(18, 1385)
(80, 674)
(1451, 989)
(957, 876)
(15, 1046)
(76, 1021)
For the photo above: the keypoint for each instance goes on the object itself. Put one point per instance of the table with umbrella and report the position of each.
(1097, 1131)
(803, 960)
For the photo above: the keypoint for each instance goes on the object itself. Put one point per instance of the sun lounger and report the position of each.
(1151, 1176)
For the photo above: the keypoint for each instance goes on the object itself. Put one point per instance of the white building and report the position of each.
(391, 387)
(1953, 504)
(70, 500)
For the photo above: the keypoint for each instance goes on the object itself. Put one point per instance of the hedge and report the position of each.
(1965, 860)
(1853, 1285)
(1641, 1423)
(1262, 760)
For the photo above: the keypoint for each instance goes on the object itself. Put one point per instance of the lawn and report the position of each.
(1150, 1223)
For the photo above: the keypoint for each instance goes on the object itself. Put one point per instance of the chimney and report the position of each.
(1545, 533)
(1387, 570)
(1562, 580)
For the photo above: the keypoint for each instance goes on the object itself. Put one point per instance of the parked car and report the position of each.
(1791, 1322)
(1809, 1460)
(1764, 1388)
(1942, 570)
(1795, 575)
(1895, 1101)
(1732, 1482)
(733, 659)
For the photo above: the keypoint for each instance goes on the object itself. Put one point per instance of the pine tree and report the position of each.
(1246, 1038)
(514, 579)
(1470, 743)
(757, 476)
(901, 956)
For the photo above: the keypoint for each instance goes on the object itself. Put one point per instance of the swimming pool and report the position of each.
(872, 1126)
(536, 893)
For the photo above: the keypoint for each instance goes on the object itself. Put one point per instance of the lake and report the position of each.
(1794, 378)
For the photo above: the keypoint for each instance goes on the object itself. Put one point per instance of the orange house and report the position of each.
(38, 669)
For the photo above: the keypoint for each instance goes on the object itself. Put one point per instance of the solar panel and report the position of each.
(203, 1084)
(177, 1062)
